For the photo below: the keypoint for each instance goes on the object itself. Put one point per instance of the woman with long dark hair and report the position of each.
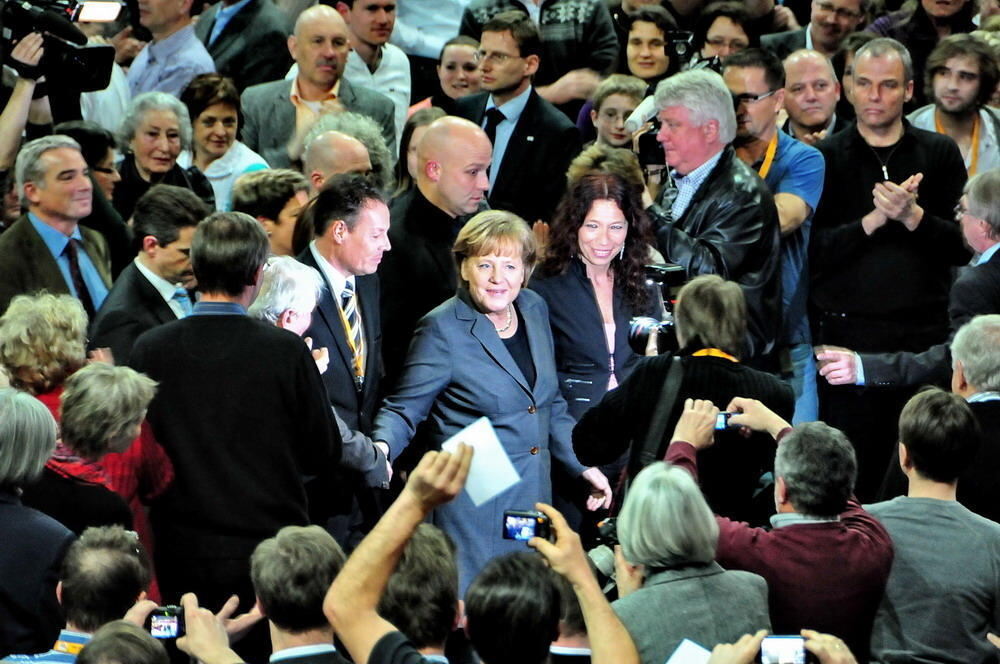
(592, 280)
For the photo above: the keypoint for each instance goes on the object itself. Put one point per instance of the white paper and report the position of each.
(689, 652)
(491, 472)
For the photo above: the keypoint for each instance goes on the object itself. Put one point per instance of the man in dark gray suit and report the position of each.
(47, 249)
(829, 23)
(248, 45)
(276, 112)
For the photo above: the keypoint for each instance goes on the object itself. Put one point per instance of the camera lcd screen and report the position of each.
(520, 527)
(163, 627)
(783, 650)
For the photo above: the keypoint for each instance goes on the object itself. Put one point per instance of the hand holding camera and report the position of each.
(565, 554)
(755, 416)
(697, 423)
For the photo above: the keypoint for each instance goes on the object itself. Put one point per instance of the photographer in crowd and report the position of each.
(826, 560)
(710, 321)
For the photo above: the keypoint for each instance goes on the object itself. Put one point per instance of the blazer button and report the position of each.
(534, 450)
(531, 410)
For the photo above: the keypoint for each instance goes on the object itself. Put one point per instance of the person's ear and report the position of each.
(285, 318)
(343, 10)
(432, 169)
(909, 91)
(905, 462)
(317, 180)
(838, 88)
(593, 116)
(339, 231)
(459, 622)
(31, 191)
(780, 491)
(531, 63)
(260, 605)
(291, 45)
(779, 100)
(59, 591)
(711, 131)
(149, 245)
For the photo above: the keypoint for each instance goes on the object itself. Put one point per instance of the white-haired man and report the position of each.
(717, 215)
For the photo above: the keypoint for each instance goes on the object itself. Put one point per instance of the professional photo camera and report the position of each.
(69, 63)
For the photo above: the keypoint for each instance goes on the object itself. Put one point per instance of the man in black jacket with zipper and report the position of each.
(717, 215)
(883, 245)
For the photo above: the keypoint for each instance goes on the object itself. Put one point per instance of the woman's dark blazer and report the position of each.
(578, 333)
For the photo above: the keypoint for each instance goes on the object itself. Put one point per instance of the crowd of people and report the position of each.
(260, 292)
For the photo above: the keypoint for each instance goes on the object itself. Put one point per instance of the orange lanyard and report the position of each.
(772, 148)
(357, 352)
(714, 352)
(974, 149)
(67, 646)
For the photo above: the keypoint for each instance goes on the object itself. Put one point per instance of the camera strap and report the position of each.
(646, 452)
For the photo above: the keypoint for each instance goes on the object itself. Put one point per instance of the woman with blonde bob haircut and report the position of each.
(488, 352)
(669, 586)
(42, 341)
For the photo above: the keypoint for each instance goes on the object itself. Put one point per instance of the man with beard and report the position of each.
(154, 289)
(961, 75)
(793, 172)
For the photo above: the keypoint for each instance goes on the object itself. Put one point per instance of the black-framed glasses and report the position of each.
(747, 98)
(106, 171)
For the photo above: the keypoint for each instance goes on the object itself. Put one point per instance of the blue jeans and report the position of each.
(803, 383)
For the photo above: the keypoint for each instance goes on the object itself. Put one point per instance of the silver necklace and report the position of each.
(510, 320)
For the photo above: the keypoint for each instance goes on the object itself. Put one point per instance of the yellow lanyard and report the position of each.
(974, 149)
(714, 352)
(357, 352)
(772, 147)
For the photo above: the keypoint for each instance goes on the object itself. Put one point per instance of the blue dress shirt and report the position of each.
(56, 243)
(512, 113)
(223, 17)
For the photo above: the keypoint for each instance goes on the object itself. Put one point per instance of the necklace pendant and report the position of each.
(885, 172)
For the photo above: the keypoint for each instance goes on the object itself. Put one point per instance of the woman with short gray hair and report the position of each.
(34, 544)
(155, 130)
(102, 408)
(669, 586)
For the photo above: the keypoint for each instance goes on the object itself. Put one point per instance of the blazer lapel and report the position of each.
(330, 313)
(37, 254)
(368, 296)
(486, 334)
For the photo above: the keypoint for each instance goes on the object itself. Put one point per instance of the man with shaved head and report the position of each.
(333, 152)
(274, 112)
(811, 95)
(453, 157)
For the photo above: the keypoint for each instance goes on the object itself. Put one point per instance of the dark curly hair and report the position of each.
(569, 217)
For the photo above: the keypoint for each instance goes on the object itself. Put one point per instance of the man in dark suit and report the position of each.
(240, 411)
(248, 46)
(533, 142)
(153, 289)
(291, 573)
(829, 23)
(276, 112)
(975, 292)
(47, 249)
(452, 161)
(351, 224)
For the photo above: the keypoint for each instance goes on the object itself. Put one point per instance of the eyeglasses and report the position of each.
(722, 42)
(495, 57)
(747, 98)
(106, 171)
(961, 211)
(828, 8)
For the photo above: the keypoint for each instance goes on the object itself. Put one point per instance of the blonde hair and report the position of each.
(42, 340)
(496, 232)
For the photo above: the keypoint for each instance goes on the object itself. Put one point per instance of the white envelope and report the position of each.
(689, 652)
(491, 472)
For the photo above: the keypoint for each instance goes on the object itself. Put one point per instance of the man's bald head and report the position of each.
(453, 158)
(317, 13)
(334, 152)
(811, 91)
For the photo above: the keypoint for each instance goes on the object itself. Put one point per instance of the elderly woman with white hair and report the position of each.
(34, 544)
(288, 295)
(670, 588)
(156, 128)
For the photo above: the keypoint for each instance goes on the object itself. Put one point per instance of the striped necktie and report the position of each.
(355, 337)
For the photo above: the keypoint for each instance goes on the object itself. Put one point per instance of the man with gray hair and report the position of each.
(884, 242)
(716, 215)
(47, 249)
(825, 560)
(288, 297)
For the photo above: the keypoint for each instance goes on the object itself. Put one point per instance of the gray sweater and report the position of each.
(942, 595)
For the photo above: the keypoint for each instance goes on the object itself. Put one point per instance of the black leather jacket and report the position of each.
(730, 228)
